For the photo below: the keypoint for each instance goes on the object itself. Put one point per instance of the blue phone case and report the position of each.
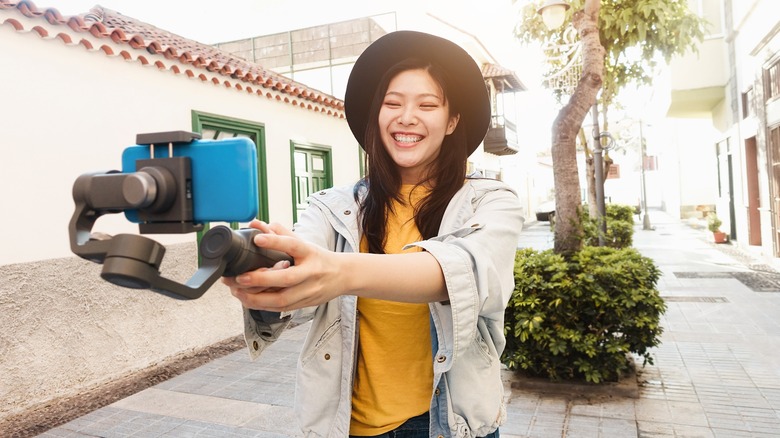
(224, 177)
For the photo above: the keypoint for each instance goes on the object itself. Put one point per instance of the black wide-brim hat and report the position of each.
(467, 91)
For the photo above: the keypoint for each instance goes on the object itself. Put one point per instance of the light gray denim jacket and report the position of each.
(476, 250)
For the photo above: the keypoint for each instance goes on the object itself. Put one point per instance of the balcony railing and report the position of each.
(501, 138)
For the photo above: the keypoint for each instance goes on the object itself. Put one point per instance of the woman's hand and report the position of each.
(312, 280)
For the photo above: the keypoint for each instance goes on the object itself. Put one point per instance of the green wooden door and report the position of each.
(311, 172)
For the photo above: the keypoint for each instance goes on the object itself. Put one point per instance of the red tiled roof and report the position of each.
(495, 71)
(170, 51)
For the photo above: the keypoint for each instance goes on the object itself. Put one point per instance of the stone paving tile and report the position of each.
(716, 373)
(111, 422)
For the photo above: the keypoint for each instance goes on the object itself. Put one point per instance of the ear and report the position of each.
(452, 124)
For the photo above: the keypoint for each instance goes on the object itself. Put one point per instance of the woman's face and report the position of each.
(413, 121)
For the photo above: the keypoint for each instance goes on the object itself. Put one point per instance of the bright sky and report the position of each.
(211, 22)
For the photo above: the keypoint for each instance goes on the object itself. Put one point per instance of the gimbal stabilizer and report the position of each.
(161, 191)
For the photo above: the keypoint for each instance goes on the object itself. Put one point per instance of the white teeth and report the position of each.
(402, 138)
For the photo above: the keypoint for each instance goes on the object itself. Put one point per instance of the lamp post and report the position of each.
(598, 175)
(646, 219)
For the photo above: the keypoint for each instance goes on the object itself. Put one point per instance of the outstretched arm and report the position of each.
(319, 275)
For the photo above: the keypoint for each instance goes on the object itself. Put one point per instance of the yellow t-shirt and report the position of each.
(394, 375)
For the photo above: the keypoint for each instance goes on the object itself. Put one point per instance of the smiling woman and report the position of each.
(389, 267)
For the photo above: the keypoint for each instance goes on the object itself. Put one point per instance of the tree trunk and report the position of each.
(568, 228)
(590, 174)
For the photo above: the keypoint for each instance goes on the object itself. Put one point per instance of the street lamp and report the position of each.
(646, 225)
(553, 13)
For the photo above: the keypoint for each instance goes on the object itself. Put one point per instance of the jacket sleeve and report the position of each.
(476, 252)
(262, 328)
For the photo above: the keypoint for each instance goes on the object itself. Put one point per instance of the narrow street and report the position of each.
(716, 374)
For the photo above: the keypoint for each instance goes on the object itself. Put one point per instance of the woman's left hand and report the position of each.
(312, 280)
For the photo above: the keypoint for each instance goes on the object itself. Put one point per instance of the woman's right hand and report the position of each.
(314, 279)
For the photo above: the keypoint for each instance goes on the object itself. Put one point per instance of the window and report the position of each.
(711, 11)
(772, 81)
(748, 104)
(311, 171)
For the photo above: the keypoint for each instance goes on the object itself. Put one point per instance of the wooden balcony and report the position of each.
(501, 138)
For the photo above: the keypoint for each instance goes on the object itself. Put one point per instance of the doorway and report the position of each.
(753, 195)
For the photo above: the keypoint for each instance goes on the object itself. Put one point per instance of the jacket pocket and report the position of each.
(318, 389)
(320, 341)
(476, 389)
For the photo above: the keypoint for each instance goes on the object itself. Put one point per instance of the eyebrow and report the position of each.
(396, 93)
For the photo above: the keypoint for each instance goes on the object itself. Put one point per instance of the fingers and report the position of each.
(275, 301)
(247, 283)
(290, 245)
(282, 287)
(260, 225)
(280, 229)
(272, 228)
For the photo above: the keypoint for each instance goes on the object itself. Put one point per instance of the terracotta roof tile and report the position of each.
(104, 23)
(495, 71)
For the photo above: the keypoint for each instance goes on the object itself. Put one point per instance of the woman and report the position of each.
(407, 273)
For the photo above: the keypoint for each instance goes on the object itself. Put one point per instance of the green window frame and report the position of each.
(216, 127)
(316, 163)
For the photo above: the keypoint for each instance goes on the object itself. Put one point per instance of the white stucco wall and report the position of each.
(65, 111)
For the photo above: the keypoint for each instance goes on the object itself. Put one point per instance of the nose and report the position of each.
(407, 116)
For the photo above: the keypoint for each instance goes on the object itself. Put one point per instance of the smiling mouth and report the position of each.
(406, 138)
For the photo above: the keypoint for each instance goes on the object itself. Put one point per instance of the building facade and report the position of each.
(730, 109)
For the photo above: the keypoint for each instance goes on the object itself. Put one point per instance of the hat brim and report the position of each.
(468, 87)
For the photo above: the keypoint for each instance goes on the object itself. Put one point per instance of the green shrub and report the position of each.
(582, 318)
(621, 212)
(620, 226)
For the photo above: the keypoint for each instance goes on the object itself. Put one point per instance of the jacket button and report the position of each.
(322, 193)
(255, 346)
(437, 392)
(441, 359)
(347, 212)
(327, 356)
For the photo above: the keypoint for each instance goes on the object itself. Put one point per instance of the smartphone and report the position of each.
(224, 176)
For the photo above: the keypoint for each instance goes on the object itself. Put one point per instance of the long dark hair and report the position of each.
(383, 180)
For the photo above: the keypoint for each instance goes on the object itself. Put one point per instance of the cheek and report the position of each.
(384, 118)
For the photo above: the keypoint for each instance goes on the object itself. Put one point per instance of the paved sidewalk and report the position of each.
(716, 374)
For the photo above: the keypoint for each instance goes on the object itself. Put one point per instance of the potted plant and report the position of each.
(713, 224)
